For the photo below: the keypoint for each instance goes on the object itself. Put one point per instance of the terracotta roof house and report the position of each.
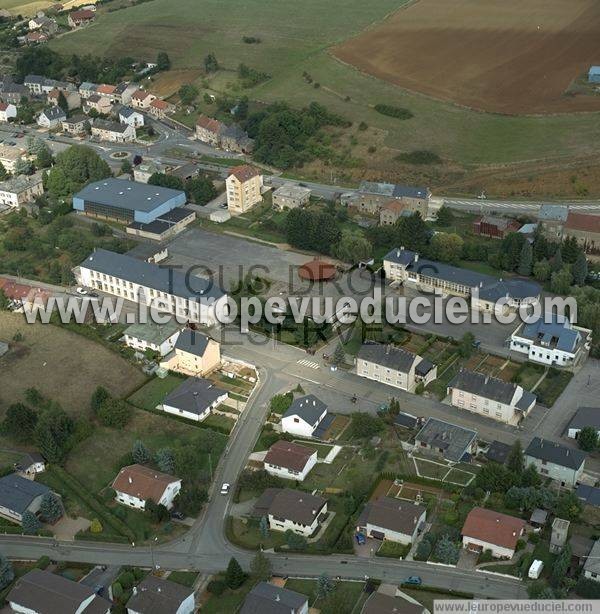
(160, 108)
(105, 89)
(142, 99)
(209, 130)
(585, 228)
(81, 18)
(157, 596)
(289, 460)
(136, 484)
(393, 519)
(42, 592)
(489, 530)
(244, 172)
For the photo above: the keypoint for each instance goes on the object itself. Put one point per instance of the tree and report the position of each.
(515, 461)
(96, 526)
(117, 590)
(31, 525)
(446, 551)
(263, 527)
(23, 167)
(140, 453)
(560, 566)
(542, 270)
(557, 261)
(260, 567)
(7, 574)
(53, 433)
(3, 173)
(191, 499)
(526, 259)
(446, 247)
(365, 426)
(210, 63)
(423, 550)
(281, 402)
(568, 506)
(99, 397)
(324, 586)
(166, 181)
(510, 250)
(115, 413)
(188, 93)
(126, 167)
(339, 355)
(412, 232)
(234, 576)
(353, 247)
(560, 282)
(50, 507)
(19, 422)
(163, 62)
(200, 189)
(62, 102)
(588, 438)
(295, 541)
(165, 460)
(580, 269)
(157, 511)
(44, 158)
(569, 250)
(445, 217)
(4, 301)
(466, 345)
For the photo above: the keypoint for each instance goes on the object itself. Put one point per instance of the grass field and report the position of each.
(63, 365)
(291, 47)
(154, 392)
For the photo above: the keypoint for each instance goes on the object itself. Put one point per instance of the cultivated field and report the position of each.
(31, 7)
(503, 56)
(63, 365)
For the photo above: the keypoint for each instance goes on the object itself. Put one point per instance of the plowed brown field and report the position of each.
(504, 56)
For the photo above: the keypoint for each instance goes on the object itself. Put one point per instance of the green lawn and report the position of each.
(229, 601)
(393, 550)
(552, 387)
(458, 476)
(354, 591)
(431, 470)
(185, 578)
(154, 392)
(322, 449)
(219, 422)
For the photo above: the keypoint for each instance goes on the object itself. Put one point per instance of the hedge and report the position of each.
(200, 425)
(101, 537)
(90, 500)
(435, 589)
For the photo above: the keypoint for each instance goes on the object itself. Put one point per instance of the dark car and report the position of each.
(177, 515)
(414, 580)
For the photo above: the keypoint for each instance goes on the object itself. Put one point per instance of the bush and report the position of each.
(96, 526)
(392, 111)
(216, 587)
(42, 562)
(419, 156)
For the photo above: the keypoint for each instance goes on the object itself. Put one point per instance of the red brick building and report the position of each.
(494, 227)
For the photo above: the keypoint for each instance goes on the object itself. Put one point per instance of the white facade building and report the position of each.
(392, 519)
(303, 416)
(290, 461)
(137, 484)
(159, 338)
(7, 111)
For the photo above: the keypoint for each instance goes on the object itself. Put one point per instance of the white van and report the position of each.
(536, 569)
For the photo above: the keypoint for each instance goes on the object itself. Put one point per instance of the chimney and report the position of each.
(481, 284)
(416, 257)
(277, 598)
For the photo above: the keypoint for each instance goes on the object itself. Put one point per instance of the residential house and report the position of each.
(538, 518)
(552, 340)
(491, 397)
(77, 125)
(560, 535)
(553, 460)
(244, 185)
(31, 464)
(86, 89)
(304, 416)
(159, 109)
(233, 138)
(141, 99)
(394, 366)
(581, 547)
(194, 399)
(194, 354)
(19, 495)
(107, 91)
(268, 598)
(78, 19)
(72, 97)
(51, 118)
(130, 116)
(18, 191)
(14, 92)
(379, 602)
(143, 172)
(395, 520)
(42, 592)
(551, 220)
(295, 510)
(371, 197)
(8, 111)
(494, 227)
(584, 416)
(498, 452)
(135, 485)
(159, 596)
(391, 211)
(588, 495)
(10, 156)
(143, 282)
(113, 132)
(585, 228)
(452, 442)
(41, 22)
(34, 38)
(39, 85)
(100, 104)
(158, 338)
(124, 91)
(486, 293)
(486, 529)
(209, 130)
(289, 460)
(291, 196)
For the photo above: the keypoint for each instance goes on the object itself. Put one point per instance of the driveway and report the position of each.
(467, 560)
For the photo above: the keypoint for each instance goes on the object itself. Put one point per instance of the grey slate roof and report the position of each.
(392, 514)
(555, 332)
(484, 386)
(592, 564)
(498, 452)
(454, 440)
(556, 213)
(382, 603)
(17, 493)
(192, 342)
(405, 420)
(526, 401)
(393, 190)
(126, 194)
(54, 113)
(104, 124)
(399, 255)
(295, 505)
(590, 495)
(157, 596)
(160, 278)
(267, 598)
(309, 408)
(128, 111)
(556, 453)
(387, 356)
(195, 395)
(151, 332)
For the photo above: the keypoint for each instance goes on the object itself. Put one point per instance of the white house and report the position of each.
(392, 519)
(156, 595)
(486, 529)
(136, 484)
(584, 416)
(553, 460)
(20, 190)
(552, 342)
(131, 117)
(19, 495)
(194, 399)
(31, 463)
(113, 132)
(289, 460)
(159, 338)
(7, 111)
(52, 117)
(290, 509)
(303, 416)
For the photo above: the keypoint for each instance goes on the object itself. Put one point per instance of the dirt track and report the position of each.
(504, 56)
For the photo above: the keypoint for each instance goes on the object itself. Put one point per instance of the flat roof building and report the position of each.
(127, 201)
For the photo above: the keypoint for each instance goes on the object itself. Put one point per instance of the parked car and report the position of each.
(414, 580)
(361, 540)
(81, 291)
(177, 515)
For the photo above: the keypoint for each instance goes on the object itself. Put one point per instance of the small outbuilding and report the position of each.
(594, 74)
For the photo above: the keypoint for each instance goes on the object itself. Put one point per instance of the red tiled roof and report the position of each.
(142, 482)
(493, 527)
(316, 270)
(394, 205)
(160, 104)
(244, 172)
(3, 106)
(289, 455)
(140, 94)
(82, 15)
(583, 222)
(209, 123)
(105, 89)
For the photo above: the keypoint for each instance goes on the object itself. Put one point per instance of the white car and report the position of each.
(225, 488)
(82, 291)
